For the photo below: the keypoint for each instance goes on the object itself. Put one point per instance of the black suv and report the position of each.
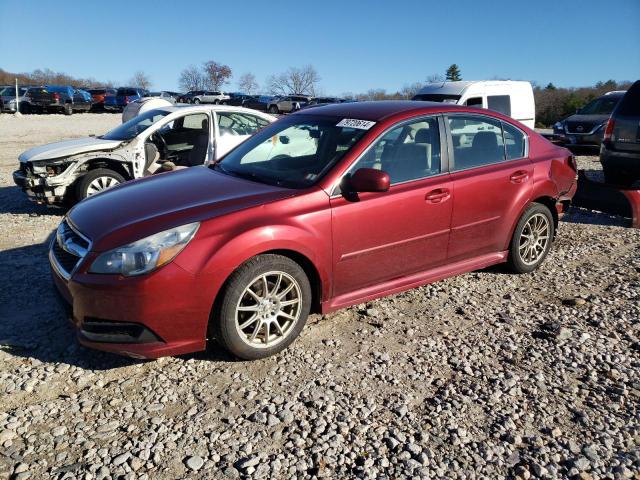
(586, 126)
(620, 150)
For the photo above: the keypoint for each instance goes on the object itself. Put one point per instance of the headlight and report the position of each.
(558, 126)
(146, 254)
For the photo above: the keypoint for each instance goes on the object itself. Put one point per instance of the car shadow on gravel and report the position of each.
(33, 325)
(13, 200)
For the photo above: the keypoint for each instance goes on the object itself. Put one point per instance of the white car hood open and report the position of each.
(68, 148)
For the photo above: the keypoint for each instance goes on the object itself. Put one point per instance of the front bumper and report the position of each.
(160, 314)
(593, 138)
(37, 190)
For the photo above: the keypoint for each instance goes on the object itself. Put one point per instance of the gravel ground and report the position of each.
(486, 375)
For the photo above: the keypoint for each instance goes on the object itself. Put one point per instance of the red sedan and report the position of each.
(323, 209)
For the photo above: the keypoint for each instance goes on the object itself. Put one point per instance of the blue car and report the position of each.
(123, 97)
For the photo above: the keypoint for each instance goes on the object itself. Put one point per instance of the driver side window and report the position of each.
(407, 152)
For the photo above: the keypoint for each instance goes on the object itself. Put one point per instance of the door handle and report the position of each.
(438, 195)
(519, 177)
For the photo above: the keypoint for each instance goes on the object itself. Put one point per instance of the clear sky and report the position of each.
(354, 45)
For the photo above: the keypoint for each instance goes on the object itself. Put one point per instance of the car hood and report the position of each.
(140, 208)
(67, 148)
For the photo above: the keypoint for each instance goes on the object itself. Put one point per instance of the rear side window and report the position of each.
(499, 103)
(630, 103)
(477, 141)
(514, 141)
(196, 121)
(239, 123)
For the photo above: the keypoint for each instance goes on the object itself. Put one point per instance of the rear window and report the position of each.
(630, 103)
(127, 91)
(437, 97)
(97, 91)
(600, 106)
(499, 103)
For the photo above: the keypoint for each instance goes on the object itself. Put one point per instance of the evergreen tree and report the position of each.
(453, 73)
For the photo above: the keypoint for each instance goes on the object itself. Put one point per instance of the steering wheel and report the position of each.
(161, 143)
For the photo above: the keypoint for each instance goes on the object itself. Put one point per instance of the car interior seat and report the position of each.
(410, 160)
(198, 153)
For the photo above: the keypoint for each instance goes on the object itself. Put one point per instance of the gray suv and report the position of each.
(620, 150)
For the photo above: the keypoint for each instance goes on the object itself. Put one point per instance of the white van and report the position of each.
(511, 98)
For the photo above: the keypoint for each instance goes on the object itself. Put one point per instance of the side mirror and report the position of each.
(369, 180)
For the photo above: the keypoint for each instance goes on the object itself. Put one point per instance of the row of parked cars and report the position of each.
(264, 103)
(68, 99)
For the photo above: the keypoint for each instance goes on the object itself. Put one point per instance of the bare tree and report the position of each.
(408, 91)
(216, 74)
(192, 78)
(248, 83)
(295, 81)
(435, 78)
(140, 80)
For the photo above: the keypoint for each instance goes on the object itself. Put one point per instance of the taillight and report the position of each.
(608, 131)
(126, 99)
(56, 97)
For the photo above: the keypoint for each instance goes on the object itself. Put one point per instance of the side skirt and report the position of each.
(415, 280)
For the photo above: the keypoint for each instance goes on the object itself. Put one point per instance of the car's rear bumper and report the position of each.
(157, 315)
(625, 162)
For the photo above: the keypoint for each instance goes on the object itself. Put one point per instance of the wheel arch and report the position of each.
(104, 162)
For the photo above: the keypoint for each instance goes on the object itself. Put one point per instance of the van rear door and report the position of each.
(626, 118)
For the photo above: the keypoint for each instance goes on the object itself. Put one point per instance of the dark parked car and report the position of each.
(586, 126)
(620, 150)
(59, 99)
(98, 95)
(237, 99)
(123, 97)
(258, 102)
(320, 210)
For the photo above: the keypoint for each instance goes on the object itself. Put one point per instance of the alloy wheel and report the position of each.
(534, 239)
(268, 309)
(101, 183)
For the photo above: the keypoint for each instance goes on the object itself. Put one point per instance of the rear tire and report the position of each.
(68, 109)
(196, 101)
(531, 240)
(252, 322)
(96, 181)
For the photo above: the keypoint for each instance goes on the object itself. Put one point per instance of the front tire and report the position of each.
(196, 101)
(96, 181)
(264, 306)
(531, 240)
(273, 109)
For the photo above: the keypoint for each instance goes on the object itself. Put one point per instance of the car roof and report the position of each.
(378, 110)
(210, 107)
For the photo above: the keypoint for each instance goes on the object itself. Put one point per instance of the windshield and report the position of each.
(600, 106)
(437, 97)
(294, 152)
(135, 126)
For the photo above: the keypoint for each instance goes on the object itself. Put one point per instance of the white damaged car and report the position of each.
(160, 139)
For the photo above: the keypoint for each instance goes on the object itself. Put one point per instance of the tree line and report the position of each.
(552, 103)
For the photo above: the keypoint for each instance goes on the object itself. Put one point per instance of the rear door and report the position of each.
(492, 181)
(378, 237)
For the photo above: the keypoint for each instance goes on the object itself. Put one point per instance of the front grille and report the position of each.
(66, 260)
(68, 248)
(579, 127)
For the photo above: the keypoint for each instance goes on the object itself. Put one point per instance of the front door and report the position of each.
(381, 236)
(492, 181)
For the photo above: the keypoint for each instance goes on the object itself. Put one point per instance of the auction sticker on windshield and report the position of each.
(355, 123)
